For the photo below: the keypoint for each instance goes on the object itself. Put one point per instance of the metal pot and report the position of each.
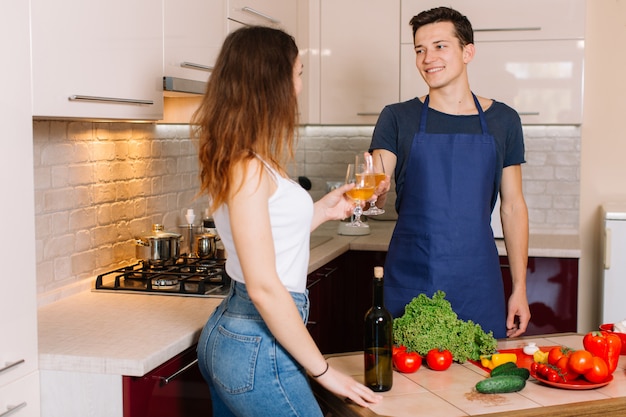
(159, 246)
(206, 245)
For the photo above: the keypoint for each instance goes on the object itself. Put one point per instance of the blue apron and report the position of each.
(443, 238)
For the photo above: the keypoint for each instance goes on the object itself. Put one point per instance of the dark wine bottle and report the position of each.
(378, 340)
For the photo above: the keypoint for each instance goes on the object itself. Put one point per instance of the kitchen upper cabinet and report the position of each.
(101, 60)
(359, 61)
(274, 13)
(541, 80)
(531, 61)
(502, 20)
(193, 34)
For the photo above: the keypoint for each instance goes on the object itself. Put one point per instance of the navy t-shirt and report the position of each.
(398, 123)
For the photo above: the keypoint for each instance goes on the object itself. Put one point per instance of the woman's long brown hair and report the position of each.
(250, 107)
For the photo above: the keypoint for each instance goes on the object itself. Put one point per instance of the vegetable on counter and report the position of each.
(604, 345)
(432, 324)
(439, 359)
(506, 377)
(406, 362)
(497, 359)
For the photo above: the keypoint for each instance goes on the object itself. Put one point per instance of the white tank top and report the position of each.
(291, 214)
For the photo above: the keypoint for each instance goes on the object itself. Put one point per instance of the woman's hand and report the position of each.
(333, 206)
(346, 387)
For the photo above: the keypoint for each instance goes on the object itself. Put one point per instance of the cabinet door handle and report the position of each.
(260, 14)
(529, 113)
(314, 283)
(367, 114)
(521, 29)
(10, 365)
(607, 248)
(198, 67)
(13, 409)
(166, 380)
(327, 273)
(77, 97)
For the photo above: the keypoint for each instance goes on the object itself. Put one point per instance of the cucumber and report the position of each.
(500, 369)
(521, 372)
(501, 384)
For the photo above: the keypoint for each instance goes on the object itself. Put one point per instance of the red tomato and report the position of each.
(407, 362)
(557, 353)
(534, 367)
(398, 349)
(439, 359)
(580, 361)
(553, 375)
(599, 370)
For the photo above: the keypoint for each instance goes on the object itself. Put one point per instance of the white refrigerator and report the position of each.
(614, 260)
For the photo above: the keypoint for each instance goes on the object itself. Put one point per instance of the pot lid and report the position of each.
(159, 233)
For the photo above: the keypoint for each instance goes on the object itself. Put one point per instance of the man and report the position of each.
(451, 152)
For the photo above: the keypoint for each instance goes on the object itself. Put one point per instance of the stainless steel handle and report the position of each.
(328, 273)
(260, 14)
(10, 365)
(367, 114)
(529, 113)
(198, 67)
(521, 29)
(168, 379)
(111, 100)
(13, 409)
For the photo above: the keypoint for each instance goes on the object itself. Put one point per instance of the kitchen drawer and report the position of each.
(498, 20)
(21, 398)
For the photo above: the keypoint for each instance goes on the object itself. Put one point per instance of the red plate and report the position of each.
(576, 384)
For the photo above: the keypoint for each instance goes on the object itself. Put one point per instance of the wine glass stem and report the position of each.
(358, 211)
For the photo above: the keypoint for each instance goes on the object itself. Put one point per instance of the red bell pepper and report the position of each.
(604, 345)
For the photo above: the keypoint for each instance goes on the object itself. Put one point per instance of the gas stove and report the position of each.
(184, 276)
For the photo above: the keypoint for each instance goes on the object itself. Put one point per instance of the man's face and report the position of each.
(439, 56)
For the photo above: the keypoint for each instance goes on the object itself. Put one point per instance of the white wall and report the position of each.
(603, 149)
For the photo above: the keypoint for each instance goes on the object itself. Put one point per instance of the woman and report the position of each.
(255, 351)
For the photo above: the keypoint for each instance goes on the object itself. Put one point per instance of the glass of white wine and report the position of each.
(364, 180)
(379, 175)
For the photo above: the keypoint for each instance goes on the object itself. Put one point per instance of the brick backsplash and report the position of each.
(98, 185)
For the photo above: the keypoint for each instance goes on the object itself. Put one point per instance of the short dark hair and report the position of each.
(462, 26)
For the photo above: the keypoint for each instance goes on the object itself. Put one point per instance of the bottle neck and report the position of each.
(378, 292)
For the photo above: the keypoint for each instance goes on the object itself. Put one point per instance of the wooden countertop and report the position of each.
(130, 334)
(450, 393)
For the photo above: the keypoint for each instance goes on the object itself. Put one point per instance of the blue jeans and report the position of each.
(248, 371)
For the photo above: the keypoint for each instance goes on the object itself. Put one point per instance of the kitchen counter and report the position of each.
(326, 244)
(130, 334)
(450, 393)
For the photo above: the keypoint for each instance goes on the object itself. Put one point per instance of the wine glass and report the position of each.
(359, 174)
(379, 175)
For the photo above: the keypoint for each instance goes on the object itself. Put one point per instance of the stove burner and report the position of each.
(182, 276)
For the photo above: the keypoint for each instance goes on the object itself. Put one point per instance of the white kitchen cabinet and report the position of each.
(541, 80)
(359, 62)
(194, 31)
(496, 20)
(101, 59)
(19, 377)
(274, 13)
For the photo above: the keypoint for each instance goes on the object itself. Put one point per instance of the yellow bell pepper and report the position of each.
(540, 356)
(491, 361)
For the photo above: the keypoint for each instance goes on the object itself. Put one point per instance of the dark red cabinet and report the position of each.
(552, 290)
(174, 389)
(341, 292)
